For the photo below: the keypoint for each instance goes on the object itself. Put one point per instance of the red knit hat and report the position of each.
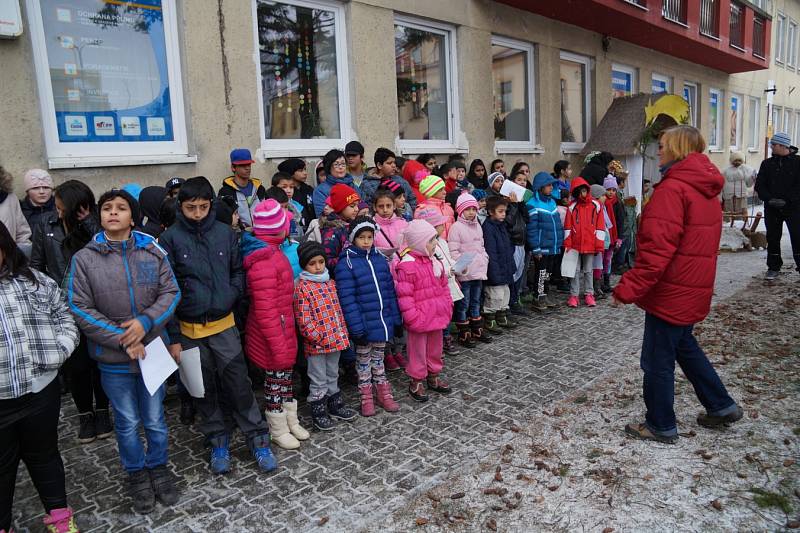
(341, 196)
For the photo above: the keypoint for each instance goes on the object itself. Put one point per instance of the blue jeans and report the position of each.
(470, 305)
(133, 406)
(662, 345)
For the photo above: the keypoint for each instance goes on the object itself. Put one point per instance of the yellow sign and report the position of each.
(671, 105)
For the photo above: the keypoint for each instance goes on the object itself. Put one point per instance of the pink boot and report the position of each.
(384, 398)
(572, 301)
(589, 299)
(60, 521)
(367, 404)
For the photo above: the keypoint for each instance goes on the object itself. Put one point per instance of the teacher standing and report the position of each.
(673, 281)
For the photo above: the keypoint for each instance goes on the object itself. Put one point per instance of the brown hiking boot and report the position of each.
(712, 421)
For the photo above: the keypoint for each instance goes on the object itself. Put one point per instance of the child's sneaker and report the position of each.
(259, 447)
(60, 521)
(390, 362)
(572, 301)
(220, 460)
(590, 301)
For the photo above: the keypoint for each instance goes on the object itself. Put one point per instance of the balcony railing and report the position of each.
(674, 10)
(640, 3)
(709, 18)
(737, 25)
(759, 37)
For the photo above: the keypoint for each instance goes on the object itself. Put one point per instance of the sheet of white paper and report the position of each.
(509, 187)
(463, 262)
(157, 365)
(192, 373)
(569, 264)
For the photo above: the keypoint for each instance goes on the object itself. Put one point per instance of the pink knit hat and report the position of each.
(417, 235)
(36, 177)
(269, 218)
(465, 201)
(431, 216)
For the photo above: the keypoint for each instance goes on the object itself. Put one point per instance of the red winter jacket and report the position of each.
(613, 231)
(584, 227)
(270, 338)
(678, 241)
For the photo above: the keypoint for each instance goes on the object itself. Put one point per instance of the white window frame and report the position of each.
(626, 69)
(529, 146)
(457, 140)
(102, 154)
(661, 77)
(754, 139)
(739, 121)
(576, 147)
(796, 127)
(780, 30)
(720, 119)
(693, 106)
(276, 148)
(791, 44)
(777, 116)
(786, 121)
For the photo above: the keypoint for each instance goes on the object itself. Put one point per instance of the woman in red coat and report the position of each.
(673, 281)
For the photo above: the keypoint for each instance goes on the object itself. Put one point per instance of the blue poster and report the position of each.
(621, 83)
(659, 86)
(108, 70)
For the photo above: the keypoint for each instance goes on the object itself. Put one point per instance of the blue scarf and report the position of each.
(319, 278)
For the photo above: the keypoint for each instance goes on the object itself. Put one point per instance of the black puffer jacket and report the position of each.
(36, 213)
(150, 200)
(208, 265)
(52, 250)
(779, 177)
(597, 169)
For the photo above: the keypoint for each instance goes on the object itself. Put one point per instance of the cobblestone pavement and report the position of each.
(345, 479)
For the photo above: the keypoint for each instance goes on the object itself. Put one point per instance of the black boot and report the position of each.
(479, 333)
(140, 490)
(490, 324)
(102, 424)
(187, 411)
(465, 335)
(338, 409)
(87, 431)
(319, 416)
(607, 283)
(164, 485)
(503, 320)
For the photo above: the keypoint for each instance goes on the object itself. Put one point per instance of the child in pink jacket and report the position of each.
(433, 189)
(466, 237)
(426, 306)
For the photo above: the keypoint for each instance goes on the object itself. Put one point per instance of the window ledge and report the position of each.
(572, 148)
(119, 161)
(716, 151)
(262, 154)
(753, 150)
(518, 148)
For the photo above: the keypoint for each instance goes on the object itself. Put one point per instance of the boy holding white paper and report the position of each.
(122, 292)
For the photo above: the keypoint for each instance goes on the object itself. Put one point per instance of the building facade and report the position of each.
(117, 92)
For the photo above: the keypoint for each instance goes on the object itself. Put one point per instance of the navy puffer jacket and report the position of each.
(501, 253)
(367, 295)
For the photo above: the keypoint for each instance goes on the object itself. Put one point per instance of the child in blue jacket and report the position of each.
(500, 274)
(545, 237)
(366, 293)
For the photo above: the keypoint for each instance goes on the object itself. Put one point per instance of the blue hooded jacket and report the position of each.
(367, 295)
(323, 190)
(250, 243)
(545, 231)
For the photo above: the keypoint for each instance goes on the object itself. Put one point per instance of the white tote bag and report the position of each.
(569, 264)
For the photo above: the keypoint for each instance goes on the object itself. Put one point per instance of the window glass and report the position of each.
(573, 101)
(780, 28)
(715, 118)
(299, 71)
(690, 95)
(511, 93)
(661, 84)
(736, 121)
(421, 61)
(623, 81)
(753, 113)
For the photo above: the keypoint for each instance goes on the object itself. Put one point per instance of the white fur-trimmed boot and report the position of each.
(279, 431)
(294, 423)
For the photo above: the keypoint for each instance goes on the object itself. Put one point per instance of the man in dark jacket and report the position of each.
(205, 257)
(778, 186)
(596, 169)
(247, 191)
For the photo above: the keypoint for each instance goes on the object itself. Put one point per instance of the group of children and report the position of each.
(364, 274)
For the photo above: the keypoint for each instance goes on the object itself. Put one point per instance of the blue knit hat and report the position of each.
(479, 194)
(782, 139)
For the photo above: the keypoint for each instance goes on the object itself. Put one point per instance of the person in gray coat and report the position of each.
(122, 292)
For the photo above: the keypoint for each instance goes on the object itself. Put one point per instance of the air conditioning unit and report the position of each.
(10, 19)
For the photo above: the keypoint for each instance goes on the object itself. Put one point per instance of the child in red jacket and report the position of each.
(585, 232)
(270, 340)
(321, 322)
